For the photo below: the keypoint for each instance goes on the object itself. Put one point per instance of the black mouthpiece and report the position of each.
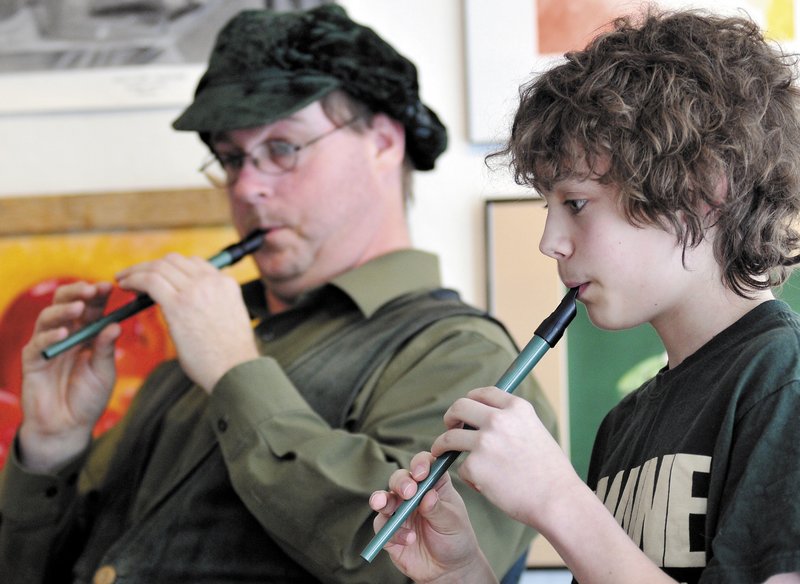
(553, 327)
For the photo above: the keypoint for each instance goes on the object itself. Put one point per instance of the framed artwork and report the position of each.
(522, 290)
(48, 241)
(89, 55)
(507, 47)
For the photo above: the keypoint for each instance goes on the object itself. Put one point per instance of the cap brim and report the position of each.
(246, 104)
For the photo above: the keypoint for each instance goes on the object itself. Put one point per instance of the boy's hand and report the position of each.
(511, 457)
(437, 542)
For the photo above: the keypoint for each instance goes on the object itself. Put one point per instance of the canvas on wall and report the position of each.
(88, 55)
(506, 44)
(522, 290)
(34, 264)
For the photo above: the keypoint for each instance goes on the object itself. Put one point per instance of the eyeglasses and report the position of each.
(273, 157)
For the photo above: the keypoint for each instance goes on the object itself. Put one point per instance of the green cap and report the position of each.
(267, 65)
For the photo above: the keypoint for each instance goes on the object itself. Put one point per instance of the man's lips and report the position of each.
(272, 235)
(271, 229)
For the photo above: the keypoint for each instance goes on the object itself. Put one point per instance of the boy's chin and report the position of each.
(611, 319)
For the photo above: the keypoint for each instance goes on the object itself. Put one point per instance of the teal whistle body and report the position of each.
(228, 256)
(545, 337)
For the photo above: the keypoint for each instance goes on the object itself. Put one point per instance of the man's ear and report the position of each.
(389, 137)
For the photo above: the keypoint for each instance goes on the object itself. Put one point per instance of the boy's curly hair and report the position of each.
(678, 103)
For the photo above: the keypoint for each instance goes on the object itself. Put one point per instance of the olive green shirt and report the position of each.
(307, 484)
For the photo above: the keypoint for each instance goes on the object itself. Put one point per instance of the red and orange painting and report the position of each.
(508, 43)
(33, 266)
(564, 26)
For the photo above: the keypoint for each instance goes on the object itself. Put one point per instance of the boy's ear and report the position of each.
(721, 190)
(719, 197)
(389, 138)
(709, 209)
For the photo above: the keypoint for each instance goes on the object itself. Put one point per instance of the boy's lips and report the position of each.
(581, 286)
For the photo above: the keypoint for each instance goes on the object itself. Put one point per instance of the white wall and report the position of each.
(47, 153)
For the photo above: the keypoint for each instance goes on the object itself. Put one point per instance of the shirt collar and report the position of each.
(370, 285)
(384, 278)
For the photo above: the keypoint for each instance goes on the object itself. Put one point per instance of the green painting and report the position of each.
(605, 365)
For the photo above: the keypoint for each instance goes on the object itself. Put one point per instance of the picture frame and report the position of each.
(100, 55)
(47, 241)
(522, 289)
(506, 48)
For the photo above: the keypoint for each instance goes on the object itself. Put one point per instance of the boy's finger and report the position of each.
(421, 465)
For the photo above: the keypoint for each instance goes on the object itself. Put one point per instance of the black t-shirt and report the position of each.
(701, 465)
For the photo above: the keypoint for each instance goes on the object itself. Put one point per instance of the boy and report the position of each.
(667, 152)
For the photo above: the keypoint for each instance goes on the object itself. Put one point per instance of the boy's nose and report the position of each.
(554, 242)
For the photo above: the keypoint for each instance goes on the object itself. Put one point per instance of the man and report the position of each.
(249, 459)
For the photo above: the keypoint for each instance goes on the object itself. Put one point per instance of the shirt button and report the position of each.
(222, 425)
(105, 575)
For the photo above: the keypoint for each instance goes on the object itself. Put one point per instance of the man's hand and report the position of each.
(204, 310)
(62, 398)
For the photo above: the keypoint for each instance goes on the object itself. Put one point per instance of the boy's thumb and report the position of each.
(436, 510)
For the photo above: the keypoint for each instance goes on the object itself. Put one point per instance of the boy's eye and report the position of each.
(575, 205)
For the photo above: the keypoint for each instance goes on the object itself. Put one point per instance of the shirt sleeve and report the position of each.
(41, 515)
(34, 511)
(309, 484)
(757, 530)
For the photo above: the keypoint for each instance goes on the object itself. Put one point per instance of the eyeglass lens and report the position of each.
(273, 157)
